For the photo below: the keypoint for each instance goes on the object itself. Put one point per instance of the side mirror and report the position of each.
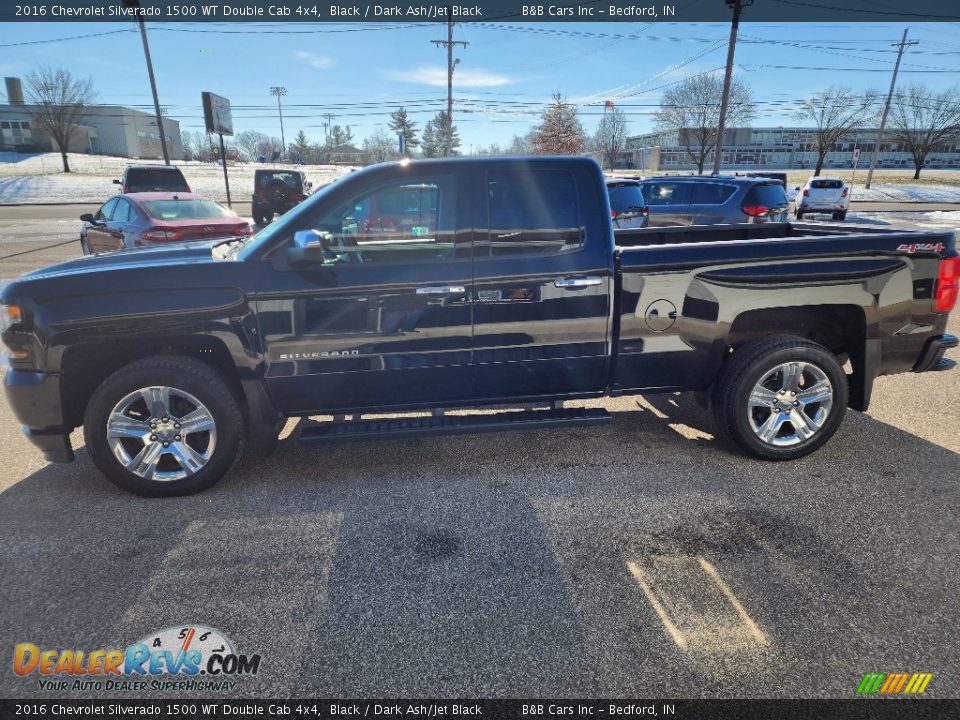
(116, 182)
(294, 257)
(308, 238)
(87, 217)
(308, 185)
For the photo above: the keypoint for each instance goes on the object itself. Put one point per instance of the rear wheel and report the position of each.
(164, 426)
(799, 215)
(842, 215)
(780, 398)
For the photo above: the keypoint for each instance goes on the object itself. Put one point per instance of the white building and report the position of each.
(777, 148)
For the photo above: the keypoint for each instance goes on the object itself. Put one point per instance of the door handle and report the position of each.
(441, 290)
(577, 282)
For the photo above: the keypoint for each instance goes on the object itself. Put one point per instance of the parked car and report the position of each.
(141, 219)
(275, 192)
(513, 288)
(152, 178)
(823, 195)
(628, 209)
(714, 200)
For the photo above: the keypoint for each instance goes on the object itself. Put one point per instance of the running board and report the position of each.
(451, 424)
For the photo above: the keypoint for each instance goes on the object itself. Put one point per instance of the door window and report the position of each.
(531, 212)
(121, 213)
(666, 193)
(105, 213)
(405, 221)
(709, 193)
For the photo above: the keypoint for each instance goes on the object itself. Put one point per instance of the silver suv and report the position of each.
(714, 200)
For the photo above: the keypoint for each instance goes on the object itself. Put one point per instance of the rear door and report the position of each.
(669, 202)
(542, 282)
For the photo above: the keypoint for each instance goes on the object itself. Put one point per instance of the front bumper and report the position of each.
(35, 400)
(932, 358)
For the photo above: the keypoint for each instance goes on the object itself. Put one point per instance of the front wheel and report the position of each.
(780, 398)
(164, 426)
(799, 215)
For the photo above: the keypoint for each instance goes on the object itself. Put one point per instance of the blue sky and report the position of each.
(506, 73)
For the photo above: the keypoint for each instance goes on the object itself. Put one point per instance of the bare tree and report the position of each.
(559, 131)
(58, 100)
(692, 111)
(923, 121)
(611, 137)
(381, 146)
(836, 113)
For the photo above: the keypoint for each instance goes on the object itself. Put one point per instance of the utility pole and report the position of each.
(280, 91)
(738, 6)
(451, 63)
(902, 45)
(327, 124)
(153, 81)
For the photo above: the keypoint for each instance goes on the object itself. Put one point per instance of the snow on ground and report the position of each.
(938, 220)
(40, 178)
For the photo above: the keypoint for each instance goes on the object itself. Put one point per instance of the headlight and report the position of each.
(10, 315)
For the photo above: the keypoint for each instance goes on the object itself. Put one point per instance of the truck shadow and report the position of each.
(523, 565)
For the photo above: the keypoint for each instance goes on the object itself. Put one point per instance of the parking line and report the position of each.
(732, 599)
(674, 631)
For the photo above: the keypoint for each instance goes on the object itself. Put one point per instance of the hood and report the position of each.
(139, 258)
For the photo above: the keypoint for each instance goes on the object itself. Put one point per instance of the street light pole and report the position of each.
(153, 81)
(280, 91)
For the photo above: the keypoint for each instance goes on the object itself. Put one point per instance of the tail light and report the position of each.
(948, 285)
(845, 191)
(755, 210)
(806, 192)
(645, 211)
(161, 234)
(613, 214)
(243, 230)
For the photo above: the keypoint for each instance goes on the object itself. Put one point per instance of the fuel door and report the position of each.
(661, 315)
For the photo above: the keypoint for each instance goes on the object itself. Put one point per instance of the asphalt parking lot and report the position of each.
(639, 559)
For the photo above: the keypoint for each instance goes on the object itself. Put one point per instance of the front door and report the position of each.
(669, 202)
(542, 282)
(385, 320)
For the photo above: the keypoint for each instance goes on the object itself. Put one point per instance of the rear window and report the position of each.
(711, 193)
(534, 211)
(156, 180)
(626, 198)
(826, 184)
(292, 179)
(769, 195)
(185, 210)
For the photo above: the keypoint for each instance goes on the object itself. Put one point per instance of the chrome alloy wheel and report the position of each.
(161, 433)
(790, 404)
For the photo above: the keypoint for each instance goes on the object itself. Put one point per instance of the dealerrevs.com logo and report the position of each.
(187, 657)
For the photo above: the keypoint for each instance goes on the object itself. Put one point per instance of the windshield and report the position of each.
(286, 223)
(155, 180)
(625, 198)
(185, 210)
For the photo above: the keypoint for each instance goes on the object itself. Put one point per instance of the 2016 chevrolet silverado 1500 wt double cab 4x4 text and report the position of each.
(463, 283)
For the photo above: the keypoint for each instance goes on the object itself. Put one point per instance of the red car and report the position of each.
(154, 218)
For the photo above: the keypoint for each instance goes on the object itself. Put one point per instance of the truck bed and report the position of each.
(687, 234)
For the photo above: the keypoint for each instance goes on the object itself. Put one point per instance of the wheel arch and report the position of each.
(842, 329)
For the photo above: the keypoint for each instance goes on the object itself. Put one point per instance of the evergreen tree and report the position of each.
(401, 124)
(300, 148)
(559, 131)
(434, 142)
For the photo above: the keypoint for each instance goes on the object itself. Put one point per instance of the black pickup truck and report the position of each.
(422, 287)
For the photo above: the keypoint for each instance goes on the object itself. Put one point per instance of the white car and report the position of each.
(823, 195)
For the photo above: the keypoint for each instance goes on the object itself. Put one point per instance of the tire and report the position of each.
(263, 219)
(194, 388)
(799, 215)
(842, 215)
(750, 411)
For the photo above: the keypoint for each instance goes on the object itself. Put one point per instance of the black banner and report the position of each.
(416, 11)
(859, 709)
